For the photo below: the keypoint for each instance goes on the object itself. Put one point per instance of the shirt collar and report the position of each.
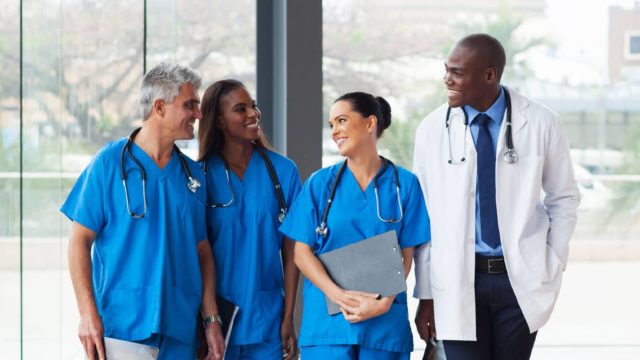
(495, 111)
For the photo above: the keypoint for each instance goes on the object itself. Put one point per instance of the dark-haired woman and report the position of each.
(371, 196)
(249, 189)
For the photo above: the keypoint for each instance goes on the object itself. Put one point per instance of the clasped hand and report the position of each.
(357, 306)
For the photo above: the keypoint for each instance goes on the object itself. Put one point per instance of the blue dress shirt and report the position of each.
(496, 113)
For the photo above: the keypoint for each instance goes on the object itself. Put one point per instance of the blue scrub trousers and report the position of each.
(501, 330)
(348, 352)
(268, 350)
(170, 348)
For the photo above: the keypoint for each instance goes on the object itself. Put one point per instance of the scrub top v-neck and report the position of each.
(146, 271)
(246, 243)
(353, 217)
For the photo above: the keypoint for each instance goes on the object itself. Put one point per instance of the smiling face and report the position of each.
(350, 130)
(469, 80)
(239, 116)
(181, 114)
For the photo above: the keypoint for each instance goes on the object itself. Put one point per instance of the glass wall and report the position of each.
(570, 56)
(82, 66)
(9, 180)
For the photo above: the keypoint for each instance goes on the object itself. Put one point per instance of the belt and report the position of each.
(490, 264)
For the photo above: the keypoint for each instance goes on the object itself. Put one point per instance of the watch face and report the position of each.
(210, 319)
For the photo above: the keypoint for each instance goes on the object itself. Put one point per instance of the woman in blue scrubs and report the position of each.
(370, 326)
(254, 262)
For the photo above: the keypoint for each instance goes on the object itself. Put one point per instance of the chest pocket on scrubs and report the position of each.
(192, 202)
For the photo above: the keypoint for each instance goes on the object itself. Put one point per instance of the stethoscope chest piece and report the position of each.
(281, 215)
(193, 184)
(322, 230)
(510, 156)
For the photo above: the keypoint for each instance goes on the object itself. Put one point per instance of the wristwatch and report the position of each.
(211, 319)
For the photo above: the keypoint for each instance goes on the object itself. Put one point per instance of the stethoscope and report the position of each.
(272, 175)
(510, 156)
(193, 184)
(323, 230)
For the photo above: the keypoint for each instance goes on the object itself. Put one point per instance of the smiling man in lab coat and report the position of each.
(490, 276)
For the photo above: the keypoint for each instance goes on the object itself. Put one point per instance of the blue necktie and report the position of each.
(487, 183)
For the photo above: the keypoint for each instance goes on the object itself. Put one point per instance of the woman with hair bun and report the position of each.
(364, 196)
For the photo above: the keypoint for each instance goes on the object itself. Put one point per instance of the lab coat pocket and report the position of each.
(553, 265)
(529, 169)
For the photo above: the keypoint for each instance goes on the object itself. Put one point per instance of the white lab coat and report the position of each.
(534, 229)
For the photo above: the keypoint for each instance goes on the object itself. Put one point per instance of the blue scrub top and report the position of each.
(246, 243)
(146, 272)
(353, 217)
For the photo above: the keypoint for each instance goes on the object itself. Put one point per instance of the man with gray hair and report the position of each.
(141, 204)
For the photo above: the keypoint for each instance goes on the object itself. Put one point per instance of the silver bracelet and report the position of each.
(211, 319)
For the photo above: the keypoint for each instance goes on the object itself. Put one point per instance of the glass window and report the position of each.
(217, 39)
(83, 64)
(572, 64)
(633, 45)
(9, 180)
(81, 74)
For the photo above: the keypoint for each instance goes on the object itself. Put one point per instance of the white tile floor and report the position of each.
(596, 317)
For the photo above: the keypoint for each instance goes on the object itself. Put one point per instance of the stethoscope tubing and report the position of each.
(272, 174)
(193, 184)
(323, 228)
(510, 155)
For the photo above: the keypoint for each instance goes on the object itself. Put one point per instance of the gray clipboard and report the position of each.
(372, 265)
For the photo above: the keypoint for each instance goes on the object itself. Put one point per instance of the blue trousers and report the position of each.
(501, 330)
(267, 350)
(170, 348)
(348, 352)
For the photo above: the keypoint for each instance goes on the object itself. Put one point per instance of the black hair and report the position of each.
(489, 50)
(210, 135)
(366, 105)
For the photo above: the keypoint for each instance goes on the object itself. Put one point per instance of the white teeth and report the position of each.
(340, 141)
(454, 92)
(253, 126)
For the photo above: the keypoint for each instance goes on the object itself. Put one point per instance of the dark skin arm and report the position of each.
(213, 332)
(291, 277)
(425, 320)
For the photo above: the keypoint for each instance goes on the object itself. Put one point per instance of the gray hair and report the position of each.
(164, 82)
